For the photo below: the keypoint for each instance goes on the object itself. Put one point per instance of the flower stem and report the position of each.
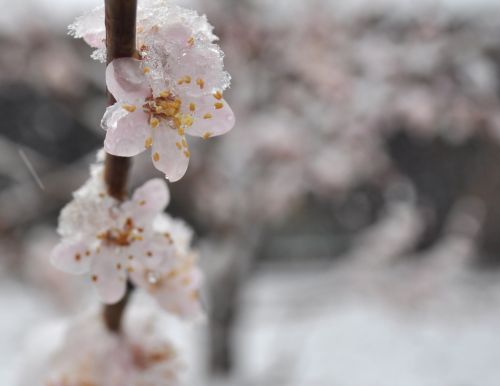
(120, 17)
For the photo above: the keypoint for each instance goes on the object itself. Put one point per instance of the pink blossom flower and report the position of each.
(141, 119)
(176, 89)
(133, 240)
(140, 356)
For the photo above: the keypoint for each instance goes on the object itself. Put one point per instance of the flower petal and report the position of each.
(153, 196)
(204, 68)
(169, 156)
(180, 294)
(91, 28)
(211, 116)
(71, 257)
(109, 275)
(156, 253)
(125, 79)
(126, 133)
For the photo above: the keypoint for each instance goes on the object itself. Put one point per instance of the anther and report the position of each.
(129, 108)
(154, 122)
(200, 82)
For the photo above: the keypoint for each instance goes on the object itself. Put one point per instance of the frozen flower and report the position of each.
(150, 14)
(175, 89)
(115, 241)
(140, 356)
(141, 119)
(174, 283)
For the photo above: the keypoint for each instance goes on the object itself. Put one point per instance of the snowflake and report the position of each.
(115, 241)
(175, 89)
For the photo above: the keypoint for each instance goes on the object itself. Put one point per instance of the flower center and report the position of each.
(164, 107)
(121, 237)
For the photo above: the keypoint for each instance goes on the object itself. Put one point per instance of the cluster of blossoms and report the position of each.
(130, 240)
(173, 88)
(141, 356)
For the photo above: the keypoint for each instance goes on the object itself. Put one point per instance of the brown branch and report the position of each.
(120, 17)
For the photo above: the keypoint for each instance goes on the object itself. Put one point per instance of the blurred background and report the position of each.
(349, 226)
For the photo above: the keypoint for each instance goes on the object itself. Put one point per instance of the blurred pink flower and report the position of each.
(133, 239)
(140, 356)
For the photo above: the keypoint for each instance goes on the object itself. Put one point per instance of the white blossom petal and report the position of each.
(125, 79)
(90, 27)
(153, 257)
(205, 68)
(211, 117)
(148, 200)
(71, 257)
(180, 294)
(169, 156)
(108, 273)
(126, 133)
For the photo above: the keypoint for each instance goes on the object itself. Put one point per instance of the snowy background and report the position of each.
(348, 225)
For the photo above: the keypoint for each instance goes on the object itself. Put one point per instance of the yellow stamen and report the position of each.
(207, 116)
(218, 95)
(146, 70)
(184, 143)
(179, 146)
(219, 105)
(185, 79)
(200, 82)
(187, 153)
(187, 120)
(148, 142)
(180, 131)
(129, 108)
(192, 107)
(207, 135)
(156, 156)
(191, 41)
(154, 122)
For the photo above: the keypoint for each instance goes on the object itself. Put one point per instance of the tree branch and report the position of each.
(120, 18)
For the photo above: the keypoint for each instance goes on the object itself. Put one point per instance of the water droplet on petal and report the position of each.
(152, 277)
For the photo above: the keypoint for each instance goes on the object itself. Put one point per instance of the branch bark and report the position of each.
(120, 19)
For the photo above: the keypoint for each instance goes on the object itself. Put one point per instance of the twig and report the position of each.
(120, 17)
